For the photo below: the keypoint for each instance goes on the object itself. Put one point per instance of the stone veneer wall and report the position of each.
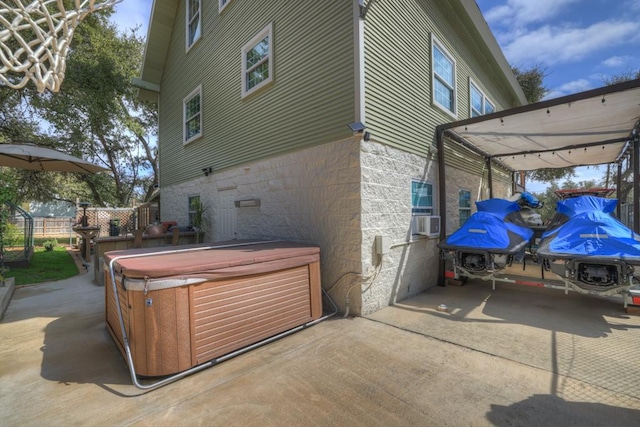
(309, 196)
(411, 266)
(462, 180)
(340, 196)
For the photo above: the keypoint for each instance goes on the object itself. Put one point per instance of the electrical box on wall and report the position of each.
(382, 244)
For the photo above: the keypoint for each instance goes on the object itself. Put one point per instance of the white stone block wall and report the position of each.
(411, 266)
(478, 186)
(310, 196)
(340, 196)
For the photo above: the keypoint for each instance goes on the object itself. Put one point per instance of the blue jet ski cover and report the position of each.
(586, 227)
(497, 226)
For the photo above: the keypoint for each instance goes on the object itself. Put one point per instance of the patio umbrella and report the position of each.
(33, 157)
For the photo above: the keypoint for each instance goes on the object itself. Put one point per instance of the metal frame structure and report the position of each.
(631, 142)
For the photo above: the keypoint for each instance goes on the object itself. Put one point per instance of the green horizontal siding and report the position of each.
(310, 101)
(399, 111)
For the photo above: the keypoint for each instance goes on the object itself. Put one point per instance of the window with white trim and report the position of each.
(480, 105)
(194, 21)
(257, 61)
(464, 205)
(421, 198)
(443, 77)
(222, 4)
(192, 115)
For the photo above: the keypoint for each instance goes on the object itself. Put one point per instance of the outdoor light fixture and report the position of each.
(356, 127)
(207, 171)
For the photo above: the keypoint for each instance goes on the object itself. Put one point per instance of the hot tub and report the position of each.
(192, 304)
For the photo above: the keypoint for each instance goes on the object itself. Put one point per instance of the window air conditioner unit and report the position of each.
(428, 225)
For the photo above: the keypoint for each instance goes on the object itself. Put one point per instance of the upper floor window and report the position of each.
(222, 4)
(257, 61)
(444, 77)
(480, 105)
(464, 205)
(421, 198)
(194, 21)
(193, 115)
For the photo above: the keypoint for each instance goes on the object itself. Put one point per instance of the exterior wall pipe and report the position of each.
(636, 184)
(442, 199)
(168, 380)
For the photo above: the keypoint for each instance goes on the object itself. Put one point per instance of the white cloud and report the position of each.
(616, 61)
(574, 86)
(523, 12)
(550, 45)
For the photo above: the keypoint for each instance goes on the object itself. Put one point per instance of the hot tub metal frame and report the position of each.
(175, 377)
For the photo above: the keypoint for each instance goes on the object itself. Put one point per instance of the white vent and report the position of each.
(427, 225)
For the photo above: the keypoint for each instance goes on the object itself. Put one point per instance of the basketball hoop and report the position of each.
(34, 40)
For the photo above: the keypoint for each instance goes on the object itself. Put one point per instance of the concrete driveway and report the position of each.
(514, 356)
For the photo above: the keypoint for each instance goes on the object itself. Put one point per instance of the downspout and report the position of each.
(358, 41)
(636, 184)
(442, 199)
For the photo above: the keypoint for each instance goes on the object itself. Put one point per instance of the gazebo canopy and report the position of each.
(588, 128)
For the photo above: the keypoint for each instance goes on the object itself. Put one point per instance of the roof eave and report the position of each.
(472, 9)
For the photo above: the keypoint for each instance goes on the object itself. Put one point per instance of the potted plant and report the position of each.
(200, 221)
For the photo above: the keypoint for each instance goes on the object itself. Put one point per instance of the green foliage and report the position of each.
(46, 267)
(622, 77)
(96, 116)
(532, 82)
(49, 245)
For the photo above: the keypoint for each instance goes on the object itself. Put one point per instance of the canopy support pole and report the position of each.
(442, 199)
(636, 184)
(618, 188)
(489, 178)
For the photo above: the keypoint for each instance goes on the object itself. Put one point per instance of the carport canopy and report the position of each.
(587, 128)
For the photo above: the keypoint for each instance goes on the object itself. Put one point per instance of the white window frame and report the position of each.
(485, 99)
(188, 20)
(415, 209)
(266, 32)
(435, 43)
(196, 92)
(463, 208)
(222, 4)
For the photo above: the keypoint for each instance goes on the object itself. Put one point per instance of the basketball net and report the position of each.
(34, 40)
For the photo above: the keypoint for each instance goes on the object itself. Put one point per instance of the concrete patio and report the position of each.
(514, 356)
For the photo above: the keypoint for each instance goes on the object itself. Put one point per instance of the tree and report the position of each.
(531, 81)
(96, 116)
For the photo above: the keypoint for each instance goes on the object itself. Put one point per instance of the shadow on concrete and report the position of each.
(548, 309)
(549, 410)
(78, 349)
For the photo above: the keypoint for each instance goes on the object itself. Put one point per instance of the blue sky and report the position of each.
(578, 42)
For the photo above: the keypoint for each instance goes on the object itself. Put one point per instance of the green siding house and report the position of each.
(260, 105)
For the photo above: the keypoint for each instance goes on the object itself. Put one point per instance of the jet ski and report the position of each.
(490, 240)
(588, 248)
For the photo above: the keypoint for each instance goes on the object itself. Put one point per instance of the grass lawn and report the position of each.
(45, 267)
